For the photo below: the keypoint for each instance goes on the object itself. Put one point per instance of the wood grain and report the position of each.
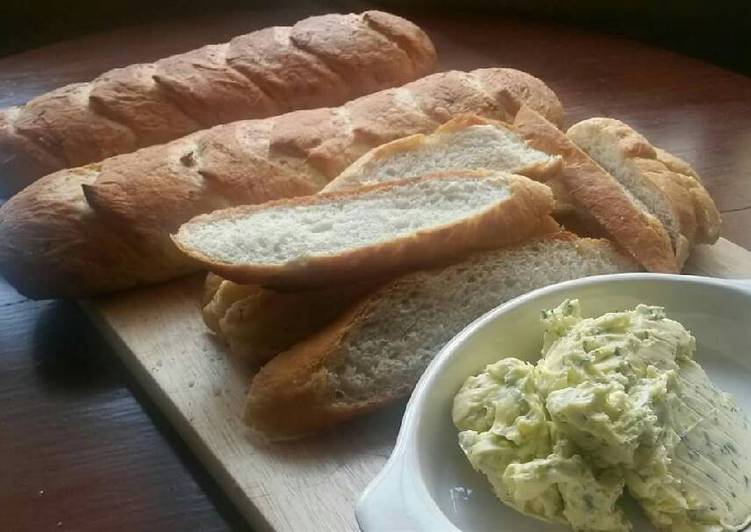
(100, 457)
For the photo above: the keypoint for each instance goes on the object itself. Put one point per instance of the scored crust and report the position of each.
(142, 196)
(320, 61)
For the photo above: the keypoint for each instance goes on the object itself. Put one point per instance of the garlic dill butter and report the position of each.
(615, 403)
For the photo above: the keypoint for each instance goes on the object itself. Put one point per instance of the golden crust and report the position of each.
(598, 193)
(263, 322)
(519, 88)
(219, 295)
(51, 243)
(707, 215)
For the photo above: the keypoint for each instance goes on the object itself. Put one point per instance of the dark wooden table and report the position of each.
(80, 449)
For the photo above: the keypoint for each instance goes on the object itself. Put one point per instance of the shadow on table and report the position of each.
(69, 354)
(71, 357)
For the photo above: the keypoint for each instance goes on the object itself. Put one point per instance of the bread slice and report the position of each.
(219, 296)
(600, 196)
(708, 217)
(467, 142)
(261, 322)
(664, 184)
(257, 323)
(342, 237)
(376, 351)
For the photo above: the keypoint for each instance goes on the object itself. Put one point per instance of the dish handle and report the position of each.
(394, 502)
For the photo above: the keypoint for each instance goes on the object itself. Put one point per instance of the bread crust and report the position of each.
(132, 202)
(52, 243)
(509, 221)
(219, 296)
(598, 193)
(321, 60)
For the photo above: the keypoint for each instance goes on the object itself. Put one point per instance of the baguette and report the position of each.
(320, 61)
(601, 197)
(375, 352)
(372, 232)
(56, 242)
(664, 184)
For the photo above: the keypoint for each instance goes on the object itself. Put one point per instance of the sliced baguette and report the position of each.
(376, 351)
(600, 196)
(467, 142)
(342, 237)
(666, 185)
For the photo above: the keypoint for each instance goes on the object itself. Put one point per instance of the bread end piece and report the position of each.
(52, 244)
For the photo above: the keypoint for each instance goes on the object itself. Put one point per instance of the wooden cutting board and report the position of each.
(307, 485)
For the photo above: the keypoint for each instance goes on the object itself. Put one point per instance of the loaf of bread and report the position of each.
(57, 242)
(368, 233)
(320, 61)
(375, 352)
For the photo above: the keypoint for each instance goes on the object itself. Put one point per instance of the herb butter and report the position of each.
(615, 403)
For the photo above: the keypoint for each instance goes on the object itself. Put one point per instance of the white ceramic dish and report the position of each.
(428, 485)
